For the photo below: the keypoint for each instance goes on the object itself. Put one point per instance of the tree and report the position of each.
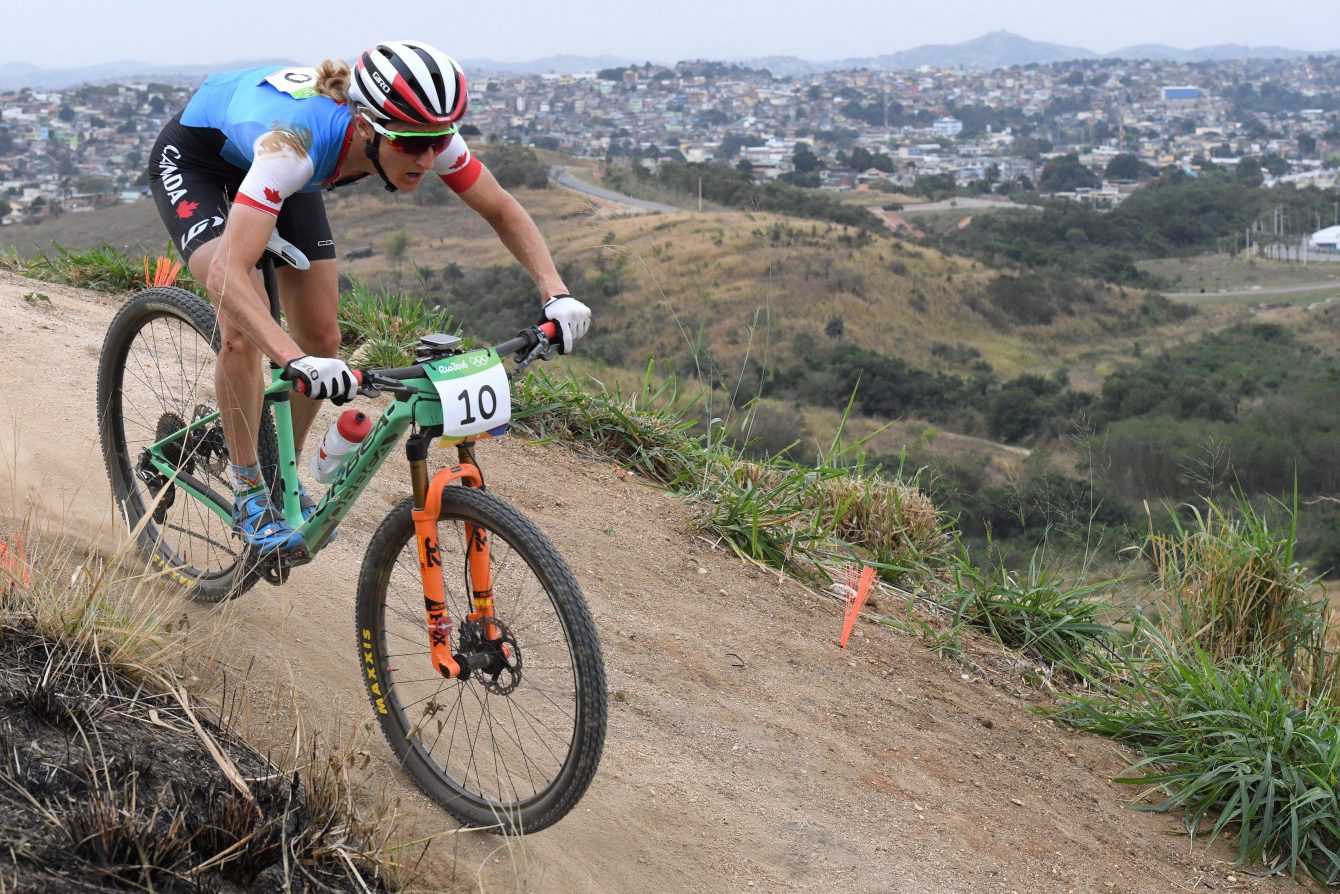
(1274, 165)
(1248, 172)
(1307, 144)
(805, 161)
(65, 114)
(732, 143)
(1066, 173)
(91, 183)
(397, 244)
(862, 159)
(1126, 167)
(835, 327)
(515, 166)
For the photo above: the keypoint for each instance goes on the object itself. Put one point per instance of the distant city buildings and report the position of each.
(1181, 94)
(64, 151)
(947, 127)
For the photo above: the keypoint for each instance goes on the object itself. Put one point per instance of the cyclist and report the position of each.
(249, 155)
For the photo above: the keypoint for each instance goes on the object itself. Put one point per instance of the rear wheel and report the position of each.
(155, 377)
(513, 747)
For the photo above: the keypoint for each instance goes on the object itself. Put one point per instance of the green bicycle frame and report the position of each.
(421, 407)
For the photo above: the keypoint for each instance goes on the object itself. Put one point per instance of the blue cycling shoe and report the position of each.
(306, 502)
(309, 509)
(261, 526)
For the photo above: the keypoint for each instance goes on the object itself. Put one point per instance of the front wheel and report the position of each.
(511, 754)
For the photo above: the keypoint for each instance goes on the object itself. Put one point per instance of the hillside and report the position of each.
(665, 282)
(745, 751)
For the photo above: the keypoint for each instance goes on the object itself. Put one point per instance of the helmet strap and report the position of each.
(370, 150)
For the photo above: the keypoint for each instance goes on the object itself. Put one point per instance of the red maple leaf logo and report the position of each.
(273, 195)
(459, 162)
(186, 209)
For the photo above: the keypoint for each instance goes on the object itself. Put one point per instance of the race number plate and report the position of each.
(474, 391)
(300, 83)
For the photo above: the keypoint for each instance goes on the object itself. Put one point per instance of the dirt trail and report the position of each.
(745, 752)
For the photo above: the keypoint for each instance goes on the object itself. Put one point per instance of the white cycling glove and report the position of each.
(327, 378)
(573, 319)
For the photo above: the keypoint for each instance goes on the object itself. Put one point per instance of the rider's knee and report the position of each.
(325, 342)
(236, 345)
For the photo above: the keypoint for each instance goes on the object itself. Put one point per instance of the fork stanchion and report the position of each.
(430, 567)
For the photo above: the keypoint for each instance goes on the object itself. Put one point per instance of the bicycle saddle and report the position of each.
(287, 252)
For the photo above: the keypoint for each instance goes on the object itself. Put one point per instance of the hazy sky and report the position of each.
(69, 33)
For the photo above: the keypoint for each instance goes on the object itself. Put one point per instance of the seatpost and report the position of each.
(271, 284)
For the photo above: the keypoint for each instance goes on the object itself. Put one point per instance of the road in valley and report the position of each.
(563, 177)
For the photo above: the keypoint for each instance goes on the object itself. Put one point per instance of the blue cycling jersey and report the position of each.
(243, 105)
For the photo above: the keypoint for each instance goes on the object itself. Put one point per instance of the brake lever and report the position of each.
(373, 385)
(544, 349)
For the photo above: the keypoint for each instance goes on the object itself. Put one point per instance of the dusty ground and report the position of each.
(745, 752)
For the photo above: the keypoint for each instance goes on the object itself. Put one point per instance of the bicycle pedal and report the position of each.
(274, 568)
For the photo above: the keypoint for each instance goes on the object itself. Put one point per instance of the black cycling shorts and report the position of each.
(194, 187)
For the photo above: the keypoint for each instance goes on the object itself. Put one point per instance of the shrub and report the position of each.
(515, 166)
(1034, 612)
(1227, 581)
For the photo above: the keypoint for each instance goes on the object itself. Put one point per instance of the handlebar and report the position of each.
(530, 342)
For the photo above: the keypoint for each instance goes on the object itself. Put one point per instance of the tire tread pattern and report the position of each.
(528, 542)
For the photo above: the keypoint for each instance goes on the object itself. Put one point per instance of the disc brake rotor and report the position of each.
(502, 674)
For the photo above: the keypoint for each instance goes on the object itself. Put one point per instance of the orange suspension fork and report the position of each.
(427, 508)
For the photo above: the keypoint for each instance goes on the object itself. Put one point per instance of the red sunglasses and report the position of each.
(414, 142)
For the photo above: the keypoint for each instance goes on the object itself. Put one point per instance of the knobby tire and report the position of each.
(155, 375)
(509, 763)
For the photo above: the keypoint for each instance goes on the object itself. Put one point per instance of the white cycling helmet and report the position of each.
(405, 80)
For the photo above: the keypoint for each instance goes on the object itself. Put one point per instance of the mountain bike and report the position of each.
(478, 652)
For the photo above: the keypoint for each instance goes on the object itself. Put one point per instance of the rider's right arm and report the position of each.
(232, 285)
(280, 167)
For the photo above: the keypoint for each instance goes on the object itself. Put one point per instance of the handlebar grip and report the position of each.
(301, 387)
(550, 329)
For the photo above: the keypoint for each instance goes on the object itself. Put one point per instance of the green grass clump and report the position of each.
(1226, 580)
(1234, 747)
(380, 327)
(656, 442)
(1230, 691)
(1035, 612)
(102, 269)
(795, 517)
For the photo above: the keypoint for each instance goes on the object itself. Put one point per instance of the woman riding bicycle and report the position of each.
(248, 156)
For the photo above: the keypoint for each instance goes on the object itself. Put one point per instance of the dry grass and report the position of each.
(715, 269)
(1220, 272)
(153, 788)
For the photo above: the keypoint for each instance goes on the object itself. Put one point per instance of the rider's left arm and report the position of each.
(517, 231)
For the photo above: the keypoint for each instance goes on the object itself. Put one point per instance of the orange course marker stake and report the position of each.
(165, 271)
(13, 561)
(857, 591)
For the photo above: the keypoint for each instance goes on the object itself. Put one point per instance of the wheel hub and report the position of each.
(496, 660)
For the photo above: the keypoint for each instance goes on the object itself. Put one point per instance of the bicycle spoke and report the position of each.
(165, 367)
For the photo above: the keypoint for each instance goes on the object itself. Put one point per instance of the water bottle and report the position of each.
(339, 440)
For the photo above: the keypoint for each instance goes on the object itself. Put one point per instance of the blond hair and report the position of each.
(332, 79)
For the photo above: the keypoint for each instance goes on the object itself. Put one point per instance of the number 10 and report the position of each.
(488, 404)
